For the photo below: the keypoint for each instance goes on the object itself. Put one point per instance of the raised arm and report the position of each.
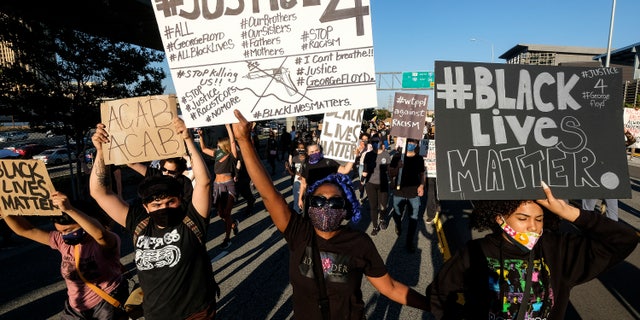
(201, 198)
(99, 188)
(232, 141)
(273, 200)
(24, 228)
(92, 226)
(206, 150)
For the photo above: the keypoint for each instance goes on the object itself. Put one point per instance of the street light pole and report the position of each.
(491, 43)
(613, 13)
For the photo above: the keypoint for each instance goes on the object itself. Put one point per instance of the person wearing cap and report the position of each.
(83, 241)
(174, 268)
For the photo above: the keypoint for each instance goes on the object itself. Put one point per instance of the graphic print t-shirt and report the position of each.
(345, 258)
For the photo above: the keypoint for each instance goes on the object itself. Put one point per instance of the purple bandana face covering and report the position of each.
(315, 158)
(325, 218)
(524, 240)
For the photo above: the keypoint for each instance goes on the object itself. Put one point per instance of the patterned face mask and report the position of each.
(523, 240)
(326, 218)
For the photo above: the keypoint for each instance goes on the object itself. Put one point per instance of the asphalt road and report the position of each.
(253, 272)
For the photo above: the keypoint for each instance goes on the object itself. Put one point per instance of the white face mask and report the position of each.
(524, 240)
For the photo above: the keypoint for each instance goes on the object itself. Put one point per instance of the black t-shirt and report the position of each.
(411, 177)
(314, 172)
(174, 268)
(346, 257)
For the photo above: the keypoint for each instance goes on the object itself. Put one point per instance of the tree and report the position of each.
(58, 77)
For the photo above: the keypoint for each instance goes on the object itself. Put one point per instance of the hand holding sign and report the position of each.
(26, 188)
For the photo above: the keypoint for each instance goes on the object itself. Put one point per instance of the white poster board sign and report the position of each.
(340, 134)
(268, 59)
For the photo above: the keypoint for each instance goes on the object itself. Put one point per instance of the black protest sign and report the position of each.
(340, 134)
(141, 129)
(502, 129)
(409, 114)
(26, 188)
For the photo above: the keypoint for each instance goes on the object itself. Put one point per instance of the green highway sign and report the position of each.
(418, 80)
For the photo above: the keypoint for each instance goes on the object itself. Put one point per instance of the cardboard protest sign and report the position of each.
(271, 60)
(340, 135)
(141, 129)
(503, 128)
(409, 113)
(26, 188)
(428, 152)
(632, 122)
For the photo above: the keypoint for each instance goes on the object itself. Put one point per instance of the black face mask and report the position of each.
(74, 237)
(167, 217)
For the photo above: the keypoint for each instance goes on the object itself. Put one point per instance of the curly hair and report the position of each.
(344, 183)
(483, 216)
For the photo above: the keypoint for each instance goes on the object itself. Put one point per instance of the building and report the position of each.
(626, 58)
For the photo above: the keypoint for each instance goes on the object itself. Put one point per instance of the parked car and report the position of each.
(13, 136)
(55, 156)
(8, 154)
(28, 150)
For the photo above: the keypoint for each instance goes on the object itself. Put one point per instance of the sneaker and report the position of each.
(431, 220)
(375, 231)
(226, 243)
(235, 227)
(384, 224)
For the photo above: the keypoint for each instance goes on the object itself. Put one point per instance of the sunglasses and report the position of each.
(172, 172)
(333, 202)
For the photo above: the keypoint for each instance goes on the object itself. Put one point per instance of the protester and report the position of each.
(317, 167)
(174, 269)
(362, 149)
(285, 144)
(407, 186)
(174, 167)
(294, 166)
(272, 151)
(97, 255)
(376, 175)
(491, 276)
(347, 254)
(224, 189)
(243, 185)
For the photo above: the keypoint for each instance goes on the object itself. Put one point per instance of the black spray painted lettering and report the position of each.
(352, 115)
(344, 133)
(340, 149)
(22, 178)
(19, 203)
(489, 95)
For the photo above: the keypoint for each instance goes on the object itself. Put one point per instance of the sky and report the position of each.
(410, 35)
